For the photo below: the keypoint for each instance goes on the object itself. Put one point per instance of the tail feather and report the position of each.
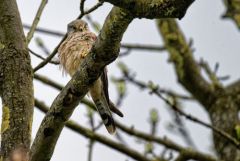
(106, 115)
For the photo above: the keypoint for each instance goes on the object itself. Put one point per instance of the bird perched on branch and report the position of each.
(71, 52)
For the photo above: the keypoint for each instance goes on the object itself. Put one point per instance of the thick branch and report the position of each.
(233, 11)
(105, 50)
(221, 106)
(92, 135)
(234, 90)
(166, 142)
(16, 83)
(186, 68)
(154, 8)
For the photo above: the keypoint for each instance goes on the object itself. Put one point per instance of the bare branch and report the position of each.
(83, 13)
(39, 56)
(49, 58)
(155, 90)
(82, 6)
(36, 20)
(154, 8)
(97, 137)
(90, 69)
(131, 131)
(186, 67)
(212, 76)
(148, 47)
(233, 11)
(167, 143)
(143, 47)
(45, 31)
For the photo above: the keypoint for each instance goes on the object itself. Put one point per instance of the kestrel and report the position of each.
(71, 52)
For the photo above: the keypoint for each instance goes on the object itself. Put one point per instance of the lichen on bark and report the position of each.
(15, 82)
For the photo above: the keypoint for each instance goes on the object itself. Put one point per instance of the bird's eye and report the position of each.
(71, 28)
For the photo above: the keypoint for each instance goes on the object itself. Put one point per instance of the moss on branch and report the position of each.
(233, 11)
(16, 88)
(154, 8)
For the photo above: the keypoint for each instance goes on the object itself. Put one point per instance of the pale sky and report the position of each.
(215, 40)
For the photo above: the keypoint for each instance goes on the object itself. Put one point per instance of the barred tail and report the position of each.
(100, 99)
(106, 115)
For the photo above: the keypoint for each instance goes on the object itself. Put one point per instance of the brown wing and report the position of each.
(104, 79)
(112, 107)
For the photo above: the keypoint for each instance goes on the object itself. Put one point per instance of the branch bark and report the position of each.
(187, 69)
(220, 105)
(233, 11)
(234, 90)
(154, 8)
(16, 83)
(105, 50)
(96, 137)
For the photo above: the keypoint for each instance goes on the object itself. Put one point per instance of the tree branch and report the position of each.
(166, 142)
(186, 68)
(105, 50)
(16, 84)
(143, 47)
(154, 8)
(45, 31)
(220, 105)
(40, 57)
(97, 137)
(192, 154)
(155, 90)
(148, 47)
(35, 21)
(49, 58)
(234, 90)
(233, 11)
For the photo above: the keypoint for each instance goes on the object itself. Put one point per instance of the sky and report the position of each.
(214, 40)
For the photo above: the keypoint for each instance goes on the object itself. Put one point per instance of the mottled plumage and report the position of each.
(71, 52)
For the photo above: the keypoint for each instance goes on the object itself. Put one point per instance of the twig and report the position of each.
(45, 31)
(96, 26)
(91, 141)
(154, 90)
(90, 151)
(182, 129)
(36, 20)
(49, 58)
(143, 47)
(123, 45)
(82, 6)
(211, 74)
(163, 91)
(83, 13)
(39, 56)
(97, 137)
(42, 46)
(166, 142)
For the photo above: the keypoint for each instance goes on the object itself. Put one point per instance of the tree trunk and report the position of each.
(16, 87)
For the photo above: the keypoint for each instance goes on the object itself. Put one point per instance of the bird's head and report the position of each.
(77, 26)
